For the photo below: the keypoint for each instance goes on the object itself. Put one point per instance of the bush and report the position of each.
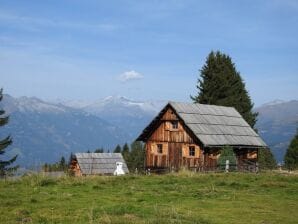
(227, 153)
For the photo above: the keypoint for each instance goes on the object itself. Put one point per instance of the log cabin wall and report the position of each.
(243, 155)
(170, 146)
(75, 168)
(210, 158)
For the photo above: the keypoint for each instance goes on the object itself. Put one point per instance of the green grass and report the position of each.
(178, 198)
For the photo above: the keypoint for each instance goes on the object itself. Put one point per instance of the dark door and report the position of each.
(175, 155)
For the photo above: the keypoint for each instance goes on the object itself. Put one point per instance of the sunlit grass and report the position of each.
(185, 197)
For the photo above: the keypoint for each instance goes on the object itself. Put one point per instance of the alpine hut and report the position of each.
(83, 164)
(192, 135)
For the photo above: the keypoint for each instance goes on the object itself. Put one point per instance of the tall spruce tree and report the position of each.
(126, 154)
(5, 165)
(117, 149)
(221, 84)
(137, 156)
(266, 159)
(291, 157)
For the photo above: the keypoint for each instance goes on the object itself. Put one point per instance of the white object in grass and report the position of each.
(119, 170)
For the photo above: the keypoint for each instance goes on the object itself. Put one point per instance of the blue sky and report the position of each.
(73, 49)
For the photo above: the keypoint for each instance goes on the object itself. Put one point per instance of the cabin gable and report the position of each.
(171, 145)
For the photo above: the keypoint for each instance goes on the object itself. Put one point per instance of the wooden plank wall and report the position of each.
(175, 143)
(75, 168)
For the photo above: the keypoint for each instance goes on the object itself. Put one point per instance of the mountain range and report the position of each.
(44, 131)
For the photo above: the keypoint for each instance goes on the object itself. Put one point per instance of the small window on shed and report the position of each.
(192, 151)
(175, 124)
(159, 148)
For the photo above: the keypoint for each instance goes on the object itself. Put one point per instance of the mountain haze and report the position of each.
(277, 124)
(44, 131)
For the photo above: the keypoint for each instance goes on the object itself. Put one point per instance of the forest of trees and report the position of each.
(62, 165)
(133, 154)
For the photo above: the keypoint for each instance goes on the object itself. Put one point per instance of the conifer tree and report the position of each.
(266, 159)
(227, 153)
(137, 156)
(126, 154)
(71, 157)
(117, 149)
(62, 163)
(5, 165)
(291, 157)
(100, 150)
(221, 84)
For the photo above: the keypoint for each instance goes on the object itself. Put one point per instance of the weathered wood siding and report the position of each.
(75, 168)
(175, 145)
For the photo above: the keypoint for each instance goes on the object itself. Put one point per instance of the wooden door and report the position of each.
(175, 157)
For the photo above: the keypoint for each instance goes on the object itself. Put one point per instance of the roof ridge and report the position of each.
(213, 105)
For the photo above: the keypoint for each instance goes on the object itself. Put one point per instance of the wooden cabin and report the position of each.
(83, 164)
(192, 135)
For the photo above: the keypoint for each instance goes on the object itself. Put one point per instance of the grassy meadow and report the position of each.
(174, 198)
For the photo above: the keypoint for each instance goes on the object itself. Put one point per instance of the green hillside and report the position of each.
(176, 198)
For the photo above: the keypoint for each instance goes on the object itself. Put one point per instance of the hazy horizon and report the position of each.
(61, 99)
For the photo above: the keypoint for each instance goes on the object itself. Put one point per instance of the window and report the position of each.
(192, 151)
(175, 124)
(159, 148)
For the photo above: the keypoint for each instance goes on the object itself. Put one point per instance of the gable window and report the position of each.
(174, 124)
(192, 151)
(159, 148)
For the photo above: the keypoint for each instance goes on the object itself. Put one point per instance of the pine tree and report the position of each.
(117, 149)
(227, 153)
(291, 157)
(62, 163)
(125, 154)
(5, 165)
(45, 167)
(221, 84)
(137, 156)
(266, 159)
(71, 157)
(101, 150)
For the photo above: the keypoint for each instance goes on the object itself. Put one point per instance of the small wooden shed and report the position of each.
(83, 164)
(192, 135)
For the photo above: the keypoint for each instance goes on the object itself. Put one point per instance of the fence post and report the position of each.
(227, 166)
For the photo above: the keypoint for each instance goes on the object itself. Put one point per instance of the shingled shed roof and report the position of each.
(211, 125)
(99, 163)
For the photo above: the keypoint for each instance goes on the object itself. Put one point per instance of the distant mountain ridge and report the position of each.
(277, 124)
(44, 131)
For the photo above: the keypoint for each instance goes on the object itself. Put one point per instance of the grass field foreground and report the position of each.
(174, 198)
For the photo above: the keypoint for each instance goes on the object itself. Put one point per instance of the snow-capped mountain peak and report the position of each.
(30, 104)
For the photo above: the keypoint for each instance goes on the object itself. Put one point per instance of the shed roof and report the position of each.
(212, 125)
(99, 163)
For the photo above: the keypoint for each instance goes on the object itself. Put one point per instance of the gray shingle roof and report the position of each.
(213, 125)
(99, 163)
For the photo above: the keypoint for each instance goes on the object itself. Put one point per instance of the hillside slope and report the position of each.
(277, 124)
(43, 132)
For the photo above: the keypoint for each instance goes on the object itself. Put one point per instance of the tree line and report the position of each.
(133, 154)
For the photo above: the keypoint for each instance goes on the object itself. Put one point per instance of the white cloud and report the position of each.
(130, 75)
